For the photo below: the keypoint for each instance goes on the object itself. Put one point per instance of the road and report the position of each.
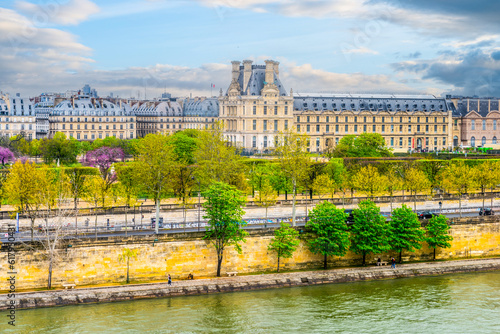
(145, 230)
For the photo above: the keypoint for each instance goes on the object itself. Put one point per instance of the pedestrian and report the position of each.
(169, 280)
(379, 262)
(393, 263)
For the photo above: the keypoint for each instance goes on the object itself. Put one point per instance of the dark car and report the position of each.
(486, 212)
(350, 218)
(426, 215)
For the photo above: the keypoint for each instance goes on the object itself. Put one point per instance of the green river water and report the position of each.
(465, 303)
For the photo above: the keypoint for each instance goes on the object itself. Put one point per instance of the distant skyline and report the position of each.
(182, 47)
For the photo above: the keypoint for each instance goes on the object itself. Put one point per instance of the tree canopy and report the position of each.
(364, 145)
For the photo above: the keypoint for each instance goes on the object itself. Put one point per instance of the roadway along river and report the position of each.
(465, 303)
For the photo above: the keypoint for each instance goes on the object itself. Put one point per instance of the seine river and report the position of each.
(466, 303)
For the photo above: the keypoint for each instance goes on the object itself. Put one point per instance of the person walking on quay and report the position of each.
(393, 263)
(169, 280)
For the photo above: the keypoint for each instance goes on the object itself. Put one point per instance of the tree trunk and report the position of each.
(128, 280)
(219, 263)
(95, 211)
(293, 202)
(325, 262)
(434, 259)
(126, 223)
(390, 214)
(278, 264)
(157, 224)
(460, 204)
(400, 256)
(492, 198)
(32, 228)
(49, 283)
(76, 217)
(483, 198)
(415, 201)
(364, 258)
(286, 195)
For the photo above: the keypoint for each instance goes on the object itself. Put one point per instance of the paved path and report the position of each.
(244, 283)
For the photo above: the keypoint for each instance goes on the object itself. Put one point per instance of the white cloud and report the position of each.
(72, 12)
(360, 50)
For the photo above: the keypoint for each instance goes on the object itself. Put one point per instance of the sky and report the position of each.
(142, 48)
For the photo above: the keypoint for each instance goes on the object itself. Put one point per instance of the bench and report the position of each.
(383, 263)
(232, 273)
(68, 285)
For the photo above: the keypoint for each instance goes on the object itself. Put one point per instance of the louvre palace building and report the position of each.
(253, 110)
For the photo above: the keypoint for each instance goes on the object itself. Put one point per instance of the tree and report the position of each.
(22, 188)
(369, 181)
(323, 184)
(284, 243)
(431, 168)
(103, 158)
(59, 149)
(364, 145)
(485, 176)
(437, 233)
(370, 232)
(458, 177)
(267, 196)
(126, 254)
(294, 160)
(406, 231)
(415, 181)
(6, 155)
(330, 231)
(53, 233)
(76, 178)
(97, 193)
(127, 187)
(155, 168)
(218, 161)
(393, 182)
(223, 211)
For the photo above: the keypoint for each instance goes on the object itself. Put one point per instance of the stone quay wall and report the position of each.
(243, 283)
(91, 262)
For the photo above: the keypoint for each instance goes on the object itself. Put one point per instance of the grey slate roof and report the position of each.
(256, 82)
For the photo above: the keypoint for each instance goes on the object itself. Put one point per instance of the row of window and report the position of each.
(131, 126)
(473, 124)
(483, 141)
(367, 119)
(266, 123)
(85, 119)
(100, 135)
(417, 128)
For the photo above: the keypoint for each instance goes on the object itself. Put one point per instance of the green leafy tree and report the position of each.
(437, 233)
(218, 161)
(323, 184)
(330, 231)
(155, 168)
(364, 145)
(76, 177)
(125, 256)
(406, 231)
(458, 177)
(223, 211)
(393, 183)
(369, 181)
(59, 149)
(128, 188)
(97, 193)
(415, 181)
(284, 243)
(370, 232)
(485, 177)
(294, 160)
(267, 196)
(432, 168)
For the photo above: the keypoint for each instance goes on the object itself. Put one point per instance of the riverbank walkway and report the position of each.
(87, 295)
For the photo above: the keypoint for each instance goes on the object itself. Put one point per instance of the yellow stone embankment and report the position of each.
(90, 262)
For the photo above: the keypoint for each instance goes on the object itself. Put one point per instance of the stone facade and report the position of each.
(96, 262)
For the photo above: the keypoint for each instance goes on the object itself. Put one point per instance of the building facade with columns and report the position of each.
(256, 106)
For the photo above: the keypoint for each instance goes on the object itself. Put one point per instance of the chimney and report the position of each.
(269, 77)
(277, 69)
(236, 69)
(247, 72)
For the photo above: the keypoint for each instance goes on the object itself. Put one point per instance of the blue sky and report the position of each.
(132, 46)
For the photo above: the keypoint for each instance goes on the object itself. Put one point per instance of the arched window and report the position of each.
(494, 140)
(483, 141)
(254, 141)
(473, 141)
(455, 141)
